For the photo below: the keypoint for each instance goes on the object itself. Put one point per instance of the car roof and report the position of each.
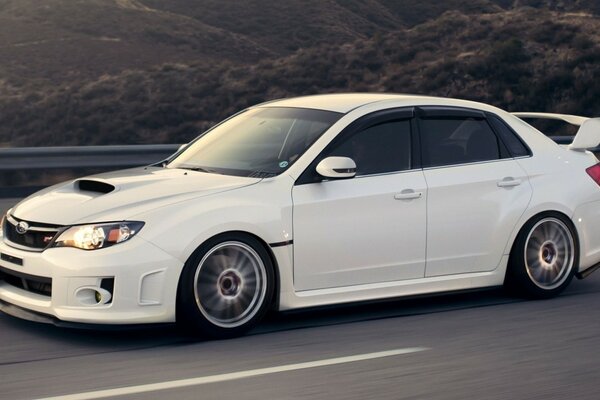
(346, 102)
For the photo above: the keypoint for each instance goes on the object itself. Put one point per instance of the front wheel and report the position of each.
(226, 287)
(544, 257)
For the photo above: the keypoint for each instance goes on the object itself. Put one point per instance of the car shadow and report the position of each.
(382, 309)
(142, 337)
(168, 334)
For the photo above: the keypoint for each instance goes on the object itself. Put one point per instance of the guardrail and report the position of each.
(31, 158)
(34, 160)
(562, 139)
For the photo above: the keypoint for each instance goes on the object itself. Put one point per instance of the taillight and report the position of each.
(594, 172)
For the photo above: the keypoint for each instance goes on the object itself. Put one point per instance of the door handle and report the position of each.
(509, 182)
(408, 194)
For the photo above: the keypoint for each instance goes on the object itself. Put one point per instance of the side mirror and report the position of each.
(337, 168)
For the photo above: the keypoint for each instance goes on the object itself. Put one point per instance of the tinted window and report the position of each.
(259, 142)
(448, 141)
(509, 137)
(381, 148)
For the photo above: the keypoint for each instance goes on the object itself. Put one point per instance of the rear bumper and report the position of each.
(587, 221)
(144, 291)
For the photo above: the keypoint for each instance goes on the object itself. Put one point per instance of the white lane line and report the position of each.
(100, 394)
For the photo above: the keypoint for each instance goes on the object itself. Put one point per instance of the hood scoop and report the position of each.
(90, 185)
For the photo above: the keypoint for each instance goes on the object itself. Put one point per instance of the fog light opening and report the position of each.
(93, 296)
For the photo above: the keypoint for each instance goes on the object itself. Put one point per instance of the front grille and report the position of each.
(37, 237)
(30, 283)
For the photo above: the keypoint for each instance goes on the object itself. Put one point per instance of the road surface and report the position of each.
(483, 345)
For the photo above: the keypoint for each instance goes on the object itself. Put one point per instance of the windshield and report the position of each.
(260, 142)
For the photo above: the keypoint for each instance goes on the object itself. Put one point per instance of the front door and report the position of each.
(368, 229)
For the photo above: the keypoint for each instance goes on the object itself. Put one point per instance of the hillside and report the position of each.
(150, 71)
(66, 40)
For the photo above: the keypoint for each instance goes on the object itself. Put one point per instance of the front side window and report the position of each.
(461, 140)
(381, 148)
(259, 142)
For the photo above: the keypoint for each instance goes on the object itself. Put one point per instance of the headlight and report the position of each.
(97, 236)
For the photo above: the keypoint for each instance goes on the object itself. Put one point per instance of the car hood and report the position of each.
(119, 195)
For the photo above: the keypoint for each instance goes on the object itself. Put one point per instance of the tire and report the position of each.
(544, 257)
(226, 287)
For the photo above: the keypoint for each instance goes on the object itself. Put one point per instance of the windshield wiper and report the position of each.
(199, 169)
(261, 174)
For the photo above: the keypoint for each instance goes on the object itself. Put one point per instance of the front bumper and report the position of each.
(144, 291)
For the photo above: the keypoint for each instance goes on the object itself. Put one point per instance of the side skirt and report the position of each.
(291, 299)
(587, 272)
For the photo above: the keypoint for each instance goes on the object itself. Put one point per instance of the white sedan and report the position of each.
(311, 201)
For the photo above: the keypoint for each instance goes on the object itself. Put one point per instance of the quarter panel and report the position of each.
(561, 184)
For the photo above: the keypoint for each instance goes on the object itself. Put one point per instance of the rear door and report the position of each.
(476, 191)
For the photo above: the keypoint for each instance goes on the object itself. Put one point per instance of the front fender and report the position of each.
(263, 209)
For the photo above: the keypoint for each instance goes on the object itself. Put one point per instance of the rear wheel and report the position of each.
(544, 257)
(226, 287)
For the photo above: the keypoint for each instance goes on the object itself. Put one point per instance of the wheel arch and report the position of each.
(518, 277)
(266, 247)
(538, 215)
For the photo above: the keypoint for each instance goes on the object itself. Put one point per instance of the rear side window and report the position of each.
(457, 140)
(378, 149)
(515, 145)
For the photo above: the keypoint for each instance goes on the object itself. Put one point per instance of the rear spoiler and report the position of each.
(588, 135)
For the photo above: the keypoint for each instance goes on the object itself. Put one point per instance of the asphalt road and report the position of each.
(483, 345)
